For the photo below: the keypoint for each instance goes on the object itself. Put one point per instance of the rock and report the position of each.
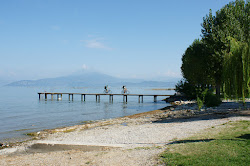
(175, 97)
(4, 145)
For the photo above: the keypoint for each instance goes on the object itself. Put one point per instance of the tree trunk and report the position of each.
(218, 90)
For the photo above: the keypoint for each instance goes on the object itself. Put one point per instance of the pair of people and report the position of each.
(107, 90)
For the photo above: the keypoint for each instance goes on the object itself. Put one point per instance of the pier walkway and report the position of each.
(83, 96)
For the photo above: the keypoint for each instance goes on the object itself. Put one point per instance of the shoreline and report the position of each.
(185, 110)
(41, 134)
(131, 140)
(29, 136)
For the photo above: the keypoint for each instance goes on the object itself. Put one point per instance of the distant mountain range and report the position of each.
(89, 79)
(4, 82)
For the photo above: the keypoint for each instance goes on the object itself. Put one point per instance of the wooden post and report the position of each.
(126, 98)
(140, 97)
(39, 96)
(97, 98)
(58, 97)
(45, 96)
(155, 98)
(83, 97)
(111, 98)
(51, 96)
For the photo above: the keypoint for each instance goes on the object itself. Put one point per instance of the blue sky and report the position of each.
(123, 38)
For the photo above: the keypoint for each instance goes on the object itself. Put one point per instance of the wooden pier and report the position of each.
(83, 96)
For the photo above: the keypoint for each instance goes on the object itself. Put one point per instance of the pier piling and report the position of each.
(140, 98)
(155, 98)
(125, 98)
(111, 98)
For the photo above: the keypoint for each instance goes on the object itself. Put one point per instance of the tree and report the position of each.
(221, 57)
(196, 68)
(236, 70)
(230, 22)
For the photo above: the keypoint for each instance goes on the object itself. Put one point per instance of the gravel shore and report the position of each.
(131, 140)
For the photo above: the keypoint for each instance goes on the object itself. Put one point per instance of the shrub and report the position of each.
(202, 94)
(186, 89)
(211, 100)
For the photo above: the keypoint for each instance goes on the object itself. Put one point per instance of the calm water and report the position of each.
(22, 112)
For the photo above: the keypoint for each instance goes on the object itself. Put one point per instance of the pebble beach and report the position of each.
(131, 140)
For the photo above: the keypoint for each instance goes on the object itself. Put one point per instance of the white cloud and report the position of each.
(85, 67)
(96, 43)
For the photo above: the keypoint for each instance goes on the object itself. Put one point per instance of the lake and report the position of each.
(22, 112)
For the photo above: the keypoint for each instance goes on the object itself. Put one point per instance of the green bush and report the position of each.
(202, 94)
(211, 100)
(199, 103)
(186, 89)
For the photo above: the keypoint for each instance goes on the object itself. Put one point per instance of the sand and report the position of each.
(132, 140)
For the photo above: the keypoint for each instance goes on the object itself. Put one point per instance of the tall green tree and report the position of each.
(236, 70)
(196, 65)
(221, 33)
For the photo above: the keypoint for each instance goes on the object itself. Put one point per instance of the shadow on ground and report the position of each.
(223, 111)
(246, 136)
(189, 141)
(44, 148)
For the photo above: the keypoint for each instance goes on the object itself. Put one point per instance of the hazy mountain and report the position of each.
(80, 79)
(4, 82)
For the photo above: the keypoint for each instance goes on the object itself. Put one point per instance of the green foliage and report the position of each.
(186, 88)
(207, 97)
(228, 145)
(221, 58)
(199, 103)
(203, 95)
(211, 100)
(236, 70)
(196, 64)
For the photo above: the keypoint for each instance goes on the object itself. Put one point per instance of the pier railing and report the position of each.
(83, 96)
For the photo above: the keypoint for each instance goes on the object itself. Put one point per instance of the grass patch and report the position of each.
(34, 134)
(22, 130)
(87, 122)
(69, 130)
(226, 145)
(143, 148)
